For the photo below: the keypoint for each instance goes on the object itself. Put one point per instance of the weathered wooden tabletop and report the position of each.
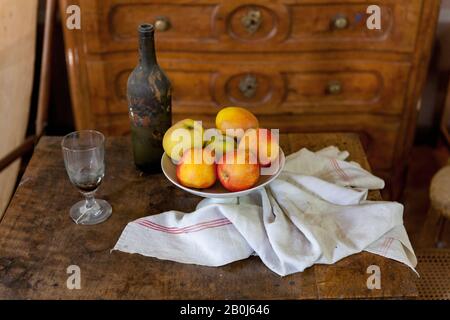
(38, 241)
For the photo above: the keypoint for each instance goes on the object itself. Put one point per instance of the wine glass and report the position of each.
(83, 153)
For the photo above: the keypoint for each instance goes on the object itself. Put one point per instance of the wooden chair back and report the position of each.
(17, 60)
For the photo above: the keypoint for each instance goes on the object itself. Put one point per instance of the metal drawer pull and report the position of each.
(248, 86)
(252, 20)
(340, 23)
(162, 24)
(334, 87)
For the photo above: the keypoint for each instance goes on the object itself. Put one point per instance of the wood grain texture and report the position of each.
(17, 54)
(445, 120)
(418, 76)
(294, 55)
(285, 25)
(76, 69)
(38, 241)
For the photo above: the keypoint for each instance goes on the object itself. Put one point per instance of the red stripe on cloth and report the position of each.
(179, 229)
(193, 227)
(344, 174)
(156, 227)
(148, 225)
(388, 245)
(383, 245)
(199, 228)
(337, 169)
(186, 227)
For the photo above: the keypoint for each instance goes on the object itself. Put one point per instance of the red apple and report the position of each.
(262, 143)
(238, 170)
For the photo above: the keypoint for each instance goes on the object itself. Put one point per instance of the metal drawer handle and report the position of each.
(334, 87)
(340, 22)
(248, 86)
(252, 20)
(162, 24)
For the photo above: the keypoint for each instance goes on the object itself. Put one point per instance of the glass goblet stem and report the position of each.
(90, 199)
(90, 202)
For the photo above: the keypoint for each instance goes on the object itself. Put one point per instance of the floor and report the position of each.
(433, 265)
(425, 162)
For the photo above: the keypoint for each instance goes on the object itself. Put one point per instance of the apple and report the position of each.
(234, 121)
(263, 143)
(183, 135)
(217, 143)
(238, 170)
(196, 169)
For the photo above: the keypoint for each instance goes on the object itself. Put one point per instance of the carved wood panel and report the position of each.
(300, 65)
(265, 26)
(300, 87)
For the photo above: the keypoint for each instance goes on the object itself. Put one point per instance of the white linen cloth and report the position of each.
(315, 212)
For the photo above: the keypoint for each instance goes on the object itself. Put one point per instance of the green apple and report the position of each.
(218, 143)
(183, 135)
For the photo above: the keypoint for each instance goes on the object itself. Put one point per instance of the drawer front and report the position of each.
(261, 26)
(276, 87)
(379, 134)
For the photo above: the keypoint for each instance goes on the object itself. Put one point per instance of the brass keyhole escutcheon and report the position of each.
(252, 20)
(248, 86)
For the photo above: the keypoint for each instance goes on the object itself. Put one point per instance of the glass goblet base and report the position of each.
(96, 214)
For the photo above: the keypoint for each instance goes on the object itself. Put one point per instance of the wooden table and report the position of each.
(38, 241)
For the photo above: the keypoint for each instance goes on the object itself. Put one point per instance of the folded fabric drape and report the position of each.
(316, 211)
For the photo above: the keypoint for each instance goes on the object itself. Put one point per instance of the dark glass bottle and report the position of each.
(149, 104)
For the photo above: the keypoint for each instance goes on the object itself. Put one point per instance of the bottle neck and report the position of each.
(147, 54)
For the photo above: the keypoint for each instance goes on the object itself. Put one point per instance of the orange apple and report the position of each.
(234, 121)
(262, 143)
(196, 169)
(238, 170)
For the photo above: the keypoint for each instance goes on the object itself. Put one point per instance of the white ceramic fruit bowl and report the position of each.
(217, 191)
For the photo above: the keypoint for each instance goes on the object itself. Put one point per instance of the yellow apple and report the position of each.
(196, 169)
(234, 121)
(183, 135)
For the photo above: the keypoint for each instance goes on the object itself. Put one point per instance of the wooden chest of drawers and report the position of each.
(300, 65)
